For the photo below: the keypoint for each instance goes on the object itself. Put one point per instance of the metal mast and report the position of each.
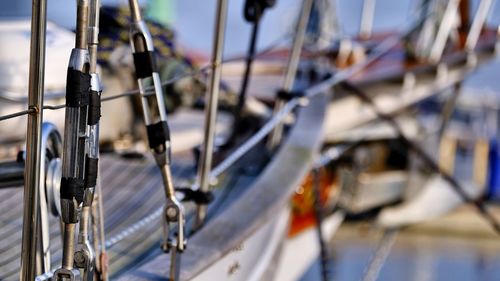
(33, 142)
(211, 108)
(293, 64)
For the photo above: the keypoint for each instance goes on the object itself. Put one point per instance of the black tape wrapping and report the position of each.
(288, 95)
(145, 64)
(91, 171)
(158, 134)
(72, 188)
(94, 108)
(197, 196)
(77, 88)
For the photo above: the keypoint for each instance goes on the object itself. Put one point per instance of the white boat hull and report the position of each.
(250, 260)
(300, 251)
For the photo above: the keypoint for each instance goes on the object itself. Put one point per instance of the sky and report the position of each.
(194, 19)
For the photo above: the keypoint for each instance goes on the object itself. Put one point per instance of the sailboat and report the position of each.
(249, 205)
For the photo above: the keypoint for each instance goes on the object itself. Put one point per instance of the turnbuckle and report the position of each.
(75, 139)
(72, 182)
(84, 258)
(158, 133)
(85, 255)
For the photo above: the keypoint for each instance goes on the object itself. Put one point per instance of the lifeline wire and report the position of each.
(16, 114)
(203, 70)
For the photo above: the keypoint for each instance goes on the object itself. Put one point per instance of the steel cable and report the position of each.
(203, 70)
(16, 114)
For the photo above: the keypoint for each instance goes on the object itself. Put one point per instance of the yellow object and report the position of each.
(480, 170)
(447, 151)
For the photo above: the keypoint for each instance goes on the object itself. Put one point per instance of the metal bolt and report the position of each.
(171, 213)
(80, 259)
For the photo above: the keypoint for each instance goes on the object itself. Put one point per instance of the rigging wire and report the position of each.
(17, 114)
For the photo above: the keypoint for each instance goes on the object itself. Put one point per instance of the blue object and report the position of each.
(494, 171)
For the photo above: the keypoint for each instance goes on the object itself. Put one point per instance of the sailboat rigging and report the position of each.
(328, 151)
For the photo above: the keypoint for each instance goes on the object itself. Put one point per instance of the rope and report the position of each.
(381, 49)
(134, 228)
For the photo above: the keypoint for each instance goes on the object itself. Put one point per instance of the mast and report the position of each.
(367, 16)
(211, 109)
(33, 142)
(477, 24)
(293, 64)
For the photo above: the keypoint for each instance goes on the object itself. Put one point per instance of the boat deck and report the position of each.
(126, 185)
